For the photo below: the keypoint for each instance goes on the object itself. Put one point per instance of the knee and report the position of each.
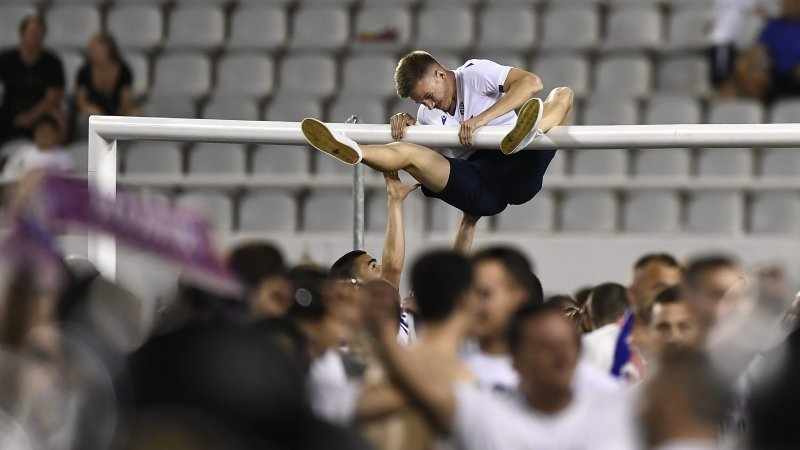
(564, 96)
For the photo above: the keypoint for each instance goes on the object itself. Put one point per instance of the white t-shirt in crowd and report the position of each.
(332, 395)
(599, 346)
(479, 85)
(729, 17)
(486, 421)
(29, 157)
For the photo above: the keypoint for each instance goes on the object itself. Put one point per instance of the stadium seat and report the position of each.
(185, 74)
(570, 28)
(751, 29)
(165, 106)
(684, 75)
(217, 159)
(71, 26)
(603, 163)
(376, 212)
(368, 110)
(445, 218)
(291, 108)
(503, 58)
(588, 211)
(610, 111)
(230, 109)
(736, 111)
(382, 27)
(633, 28)
(558, 166)
(538, 215)
(153, 157)
(72, 61)
(320, 28)
(281, 159)
(249, 75)
(785, 111)
(329, 166)
(328, 210)
(267, 210)
(662, 162)
(371, 75)
(495, 23)
(780, 162)
(652, 212)
(775, 212)
(714, 212)
(196, 27)
(216, 206)
(137, 27)
(563, 70)
(399, 105)
(258, 27)
(448, 28)
(725, 162)
(687, 29)
(10, 18)
(623, 75)
(140, 69)
(308, 75)
(672, 109)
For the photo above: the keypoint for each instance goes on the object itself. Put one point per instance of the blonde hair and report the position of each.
(411, 69)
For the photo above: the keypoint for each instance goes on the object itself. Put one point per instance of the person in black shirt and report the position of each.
(33, 80)
(104, 81)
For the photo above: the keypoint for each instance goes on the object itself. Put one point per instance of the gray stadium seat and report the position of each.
(563, 70)
(623, 75)
(165, 106)
(449, 60)
(780, 162)
(588, 211)
(10, 18)
(633, 28)
(320, 28)
(449, 28)
(736, 111)
(725, 162)
(570, 28)
(182, 74)
(785, 111)
(196, 27)
(137, 26)
(376, 212)
(672, 109)
(217, 207)
(140, 69)
(374, 25)
(258, 27)
(212, 159)
(495, 23)
(328, 210)
(445, 218)
(268, 210)
(684, 75)
(775, 212)
(369, 75)
(536, 215)
(558, 166)
(325, 165)
(662, 162)
(503, 58)
(606, 162)
(610, 111)
(368, 109)
(230, 109)
(281, 159)
(245, 75)
(72, 62)
(687, 29)
(71, 26)
(751, 29)
(308, 75)
(714, 212)
(289, 108)
(150, 158)
(399, 105)
(652, 212)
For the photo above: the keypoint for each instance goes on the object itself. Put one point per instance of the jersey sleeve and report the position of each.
(486, 76)
(422, 116)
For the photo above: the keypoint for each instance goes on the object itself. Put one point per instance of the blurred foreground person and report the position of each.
(46, 153)
(261, 268)
(708, 279)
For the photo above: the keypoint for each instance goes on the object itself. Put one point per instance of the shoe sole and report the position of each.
(528, 118)
(321, 138)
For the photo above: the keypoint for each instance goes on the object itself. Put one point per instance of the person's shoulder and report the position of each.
(8, 53)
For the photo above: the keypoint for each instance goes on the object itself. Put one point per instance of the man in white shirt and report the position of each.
(478, 93)
(46, 154)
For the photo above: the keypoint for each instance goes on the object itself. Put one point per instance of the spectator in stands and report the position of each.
(571, 309)
(46, 153)
(607, 304)
(725, 28)
(708, 280)
(670, 321)
(33, 80)
(261, 268)
(105, 81)
(771, 69)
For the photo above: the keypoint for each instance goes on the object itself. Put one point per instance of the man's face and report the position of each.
(367, 268)
(45, 136)
(673, 324)
(791, 9)
(709, 290)
(649, 280)
(32, 37)
(273, 299)
(434, 91)
(498, 298)
(548, 353)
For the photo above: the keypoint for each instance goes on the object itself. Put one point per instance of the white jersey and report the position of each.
(332, 396)
(598, 347)
(30, 158)
(729, 18)
(479, 85)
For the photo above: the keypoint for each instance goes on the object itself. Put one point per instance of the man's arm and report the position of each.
(394, 247)
(50, 101)
(377, 402)
(466, 234)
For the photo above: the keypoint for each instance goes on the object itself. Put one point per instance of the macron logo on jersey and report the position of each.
(444, 119)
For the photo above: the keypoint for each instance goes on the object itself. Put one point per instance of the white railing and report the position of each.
(105, 131)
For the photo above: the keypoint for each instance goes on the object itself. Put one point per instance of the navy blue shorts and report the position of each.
(488, 181)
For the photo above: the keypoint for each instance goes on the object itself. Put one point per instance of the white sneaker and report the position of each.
(526, 129)
(331, 142)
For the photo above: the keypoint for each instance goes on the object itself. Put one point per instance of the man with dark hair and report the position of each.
(606, 304)
(34, 81)
(262, 270)
(652, 273)
(708, 279)
(670, 321)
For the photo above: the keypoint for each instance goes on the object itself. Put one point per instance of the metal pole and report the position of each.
(358, 200)
(103, 178)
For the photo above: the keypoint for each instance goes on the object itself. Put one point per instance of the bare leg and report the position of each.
(557, 108)
(425, 165)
